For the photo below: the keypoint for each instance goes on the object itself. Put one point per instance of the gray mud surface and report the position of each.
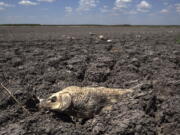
(37, 61)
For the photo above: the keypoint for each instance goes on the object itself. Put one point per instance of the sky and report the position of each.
(134, 12)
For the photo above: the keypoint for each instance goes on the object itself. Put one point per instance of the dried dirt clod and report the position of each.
(98, 129)
(4, 118)
(92, 34)
(17, 62)
(95, 74)
(135, 62)
(32, 103)
(55, 61)
(146, 86)
(18, 93)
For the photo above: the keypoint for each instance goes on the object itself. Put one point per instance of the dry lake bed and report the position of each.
(40, 60)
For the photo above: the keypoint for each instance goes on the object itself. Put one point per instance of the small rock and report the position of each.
(18, 93)
(109, 40)
(101, 37)
(92, 34)
(138, 36)
(135, 62)
(176, 52)
(98, 129)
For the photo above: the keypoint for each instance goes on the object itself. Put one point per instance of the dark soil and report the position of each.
(37, 61)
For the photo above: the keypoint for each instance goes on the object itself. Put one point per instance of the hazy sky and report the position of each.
(90, 11)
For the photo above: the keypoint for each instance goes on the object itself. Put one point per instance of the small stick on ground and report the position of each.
(9, 92)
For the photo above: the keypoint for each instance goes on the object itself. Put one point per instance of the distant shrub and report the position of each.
(20, 24)
(178, 41)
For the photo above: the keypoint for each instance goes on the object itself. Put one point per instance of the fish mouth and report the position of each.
(42, 104)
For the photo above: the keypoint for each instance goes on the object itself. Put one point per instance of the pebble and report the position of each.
(101, 36)
(109, 40)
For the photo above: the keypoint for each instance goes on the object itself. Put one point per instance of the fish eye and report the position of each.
(53, 99)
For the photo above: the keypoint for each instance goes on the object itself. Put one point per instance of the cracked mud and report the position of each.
(38, 61)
